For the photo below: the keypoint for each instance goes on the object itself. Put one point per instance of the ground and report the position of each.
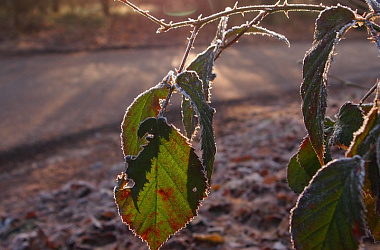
(61, 196)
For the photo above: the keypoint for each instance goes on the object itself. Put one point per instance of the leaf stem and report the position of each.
(190, 44)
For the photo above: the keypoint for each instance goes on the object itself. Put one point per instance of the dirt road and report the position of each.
(48, 96)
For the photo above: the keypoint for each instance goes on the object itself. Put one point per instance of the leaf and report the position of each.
(255, 30)
(188, 83)
(372, 181)
(329, 212)
(302, 167)
(363, 139)
(297, 177)
(145, 105)
(221, 31)
(350, 119)
(163, 186)
(330, 26)
(372, 217)
(203, 64)
(189, 120)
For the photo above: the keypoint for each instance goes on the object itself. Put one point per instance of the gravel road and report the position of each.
(48, 96)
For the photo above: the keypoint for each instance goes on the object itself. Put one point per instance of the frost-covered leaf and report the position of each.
(364, 138)
(302, 167)
(297, 177)
(203, 64)
(221, 31)
(330, 212)
(163, 186)
(350, 119)
(189, 120)
(255, 30)
(330, 26)
(145, 105)
(188, 82)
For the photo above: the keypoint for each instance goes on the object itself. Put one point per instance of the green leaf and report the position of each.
(145, 105)
(163, 186)
(298, 179)
(330, 26)
(203, 64)
(189, 120)
(363, 138)
(188, 83)
(350, 119)
(302, 167)
(372, 181)
(255, 30)
(329, 212)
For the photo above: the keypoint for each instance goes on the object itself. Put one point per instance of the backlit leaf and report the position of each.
(372, 217)
(188, 82)
(297, 177)
(350, 119)
(255, 30)
(330, 212)
(203, 64)
(145, 105)
(330, 26)
(363, 138)
(189, 120)
(302, 167)
(163, 186)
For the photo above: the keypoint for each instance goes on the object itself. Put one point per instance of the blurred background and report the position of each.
(67, 25)
(70, 68)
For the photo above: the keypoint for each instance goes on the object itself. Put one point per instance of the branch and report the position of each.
(190, 44)
(254, 21)
(236, 10)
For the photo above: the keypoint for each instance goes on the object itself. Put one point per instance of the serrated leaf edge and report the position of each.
(123, 176)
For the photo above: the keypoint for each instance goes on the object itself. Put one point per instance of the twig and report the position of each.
(236, 10)
(254, 21)
(369, 93)
(145, 13)
(190, 44)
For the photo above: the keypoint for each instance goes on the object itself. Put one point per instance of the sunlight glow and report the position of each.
(180, 8)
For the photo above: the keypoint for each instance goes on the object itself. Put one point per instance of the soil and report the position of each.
(62, 198)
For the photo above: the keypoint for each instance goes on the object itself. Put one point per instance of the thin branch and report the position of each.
(236, 10)
(254, 21)
(190, 44)
(146, 14)
(369, 92)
